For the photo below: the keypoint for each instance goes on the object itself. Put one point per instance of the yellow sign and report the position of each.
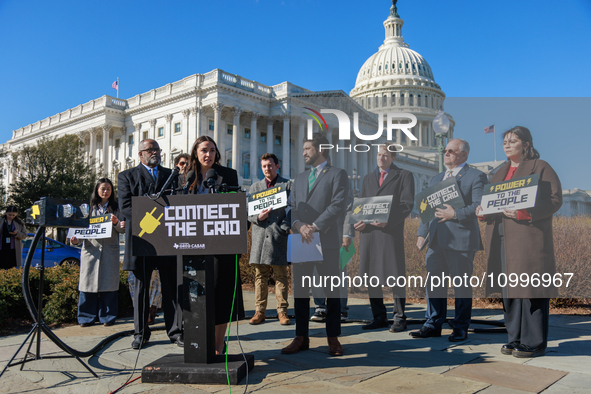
(35, 211)
(149, 223)
(423, 206)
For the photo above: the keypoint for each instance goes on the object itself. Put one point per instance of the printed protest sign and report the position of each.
(445, 192)
(275, 197)
(369, 209)
(100, 227)
(516, 194)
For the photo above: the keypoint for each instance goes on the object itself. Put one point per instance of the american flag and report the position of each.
(115, 85)
(489, 129)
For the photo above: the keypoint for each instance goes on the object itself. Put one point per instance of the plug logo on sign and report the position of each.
(149, 223)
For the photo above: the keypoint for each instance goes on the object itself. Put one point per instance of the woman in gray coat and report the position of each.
(99, 263)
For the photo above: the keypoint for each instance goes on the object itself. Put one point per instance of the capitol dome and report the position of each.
(396, 76)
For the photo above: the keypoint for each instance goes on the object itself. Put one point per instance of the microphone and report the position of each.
(189, 179)
(210, 178)
(173, 175)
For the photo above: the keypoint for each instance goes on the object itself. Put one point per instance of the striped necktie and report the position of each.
(311, 178)
(448, 174)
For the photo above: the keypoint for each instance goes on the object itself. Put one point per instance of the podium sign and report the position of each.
(192, 224)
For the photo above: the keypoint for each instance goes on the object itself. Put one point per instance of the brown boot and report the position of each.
(152, 315)
(334, 346)
(299, 343)
(258, 318)
(283, 319)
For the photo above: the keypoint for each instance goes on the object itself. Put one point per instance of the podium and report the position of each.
(194, 228)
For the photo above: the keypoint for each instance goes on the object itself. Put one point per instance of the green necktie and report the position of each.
(311, 178)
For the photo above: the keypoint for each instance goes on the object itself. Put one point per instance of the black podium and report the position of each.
(194, 228)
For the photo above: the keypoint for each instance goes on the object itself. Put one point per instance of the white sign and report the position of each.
(271, 198)
(514, 194)
(100, 227)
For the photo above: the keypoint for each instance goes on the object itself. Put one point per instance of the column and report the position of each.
(168, 118)
(286, 140)
(196, 112)
(106, 128)
(123, 147)
(217, 110)
(187, 116)
(270, 139)
(137, 137)
(92, 147)
(354, 161)
(299, 143)
(420, 133)
(152, 133)
(254, 157)
(236, 148)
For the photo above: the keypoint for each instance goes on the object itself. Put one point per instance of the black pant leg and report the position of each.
(141, 308)
(167, 268)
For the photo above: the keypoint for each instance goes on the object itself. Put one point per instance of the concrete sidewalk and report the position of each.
(374, 361)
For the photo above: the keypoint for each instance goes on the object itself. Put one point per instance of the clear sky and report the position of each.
(58, 54)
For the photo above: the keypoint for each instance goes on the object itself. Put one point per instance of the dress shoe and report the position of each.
(298, 343)
(258, 318)
(508, 348)
(139, 342)
(398, 326)
(458, 335)
(179, 340)
(334, 346)
(378, 322)
(87, 324)
(426, 332)
(319, 316)
(344, 316)
(524, 351)
(283, 319)
(109, 323)
(152, 315)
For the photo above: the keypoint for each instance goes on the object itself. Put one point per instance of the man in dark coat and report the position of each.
(318, 198)
(269, 244)
(148, 177)
(454, 239)
(382, 244)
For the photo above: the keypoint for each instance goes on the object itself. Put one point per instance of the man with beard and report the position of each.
(148, 177)
(318, 198)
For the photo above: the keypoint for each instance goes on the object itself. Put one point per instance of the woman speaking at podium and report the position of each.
(205, 157)
(519, 242)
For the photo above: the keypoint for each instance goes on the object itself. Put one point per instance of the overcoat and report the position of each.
(99, 261)
(269, 237)
(21, 233)
(382, 249)
(529, 246)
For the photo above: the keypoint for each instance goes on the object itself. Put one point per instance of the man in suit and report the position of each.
(318, 198)
(382, 244)
(454, 239)
(148, 177)
(269, 244)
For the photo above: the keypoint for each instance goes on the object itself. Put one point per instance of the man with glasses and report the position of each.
(182, 162)
(454, 239)
(147, 178)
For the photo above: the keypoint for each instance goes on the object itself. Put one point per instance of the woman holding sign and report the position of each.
(520, 249)
(204, 171)
(99, 262)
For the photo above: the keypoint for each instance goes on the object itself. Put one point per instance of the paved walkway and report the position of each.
(374, 362)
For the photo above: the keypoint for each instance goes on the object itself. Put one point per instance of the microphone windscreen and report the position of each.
(211, 174)
(190, 178)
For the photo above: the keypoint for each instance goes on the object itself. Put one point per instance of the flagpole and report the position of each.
(494, 135)
(118, 97)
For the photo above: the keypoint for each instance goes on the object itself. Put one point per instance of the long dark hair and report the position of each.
(194, 164)
(95, 199)
(524, 135)
(12, 209)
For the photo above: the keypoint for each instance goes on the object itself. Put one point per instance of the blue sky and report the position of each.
(56, 55)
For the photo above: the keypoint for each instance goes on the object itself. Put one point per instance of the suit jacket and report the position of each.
(461, 234)
(529, 244)
(269, 237)
(224, 175)
(382, 249)
(323, 204)
(130, 183)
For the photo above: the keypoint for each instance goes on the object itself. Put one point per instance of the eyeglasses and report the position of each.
(450, 151)
(182, 163)
(152, 150)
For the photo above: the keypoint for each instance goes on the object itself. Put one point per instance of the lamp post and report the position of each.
(354, 178)
(441, 127)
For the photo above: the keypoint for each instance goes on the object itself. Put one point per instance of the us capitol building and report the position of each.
(247, 118)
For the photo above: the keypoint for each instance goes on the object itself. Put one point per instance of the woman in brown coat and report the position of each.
(12, 231)
(520, 242)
